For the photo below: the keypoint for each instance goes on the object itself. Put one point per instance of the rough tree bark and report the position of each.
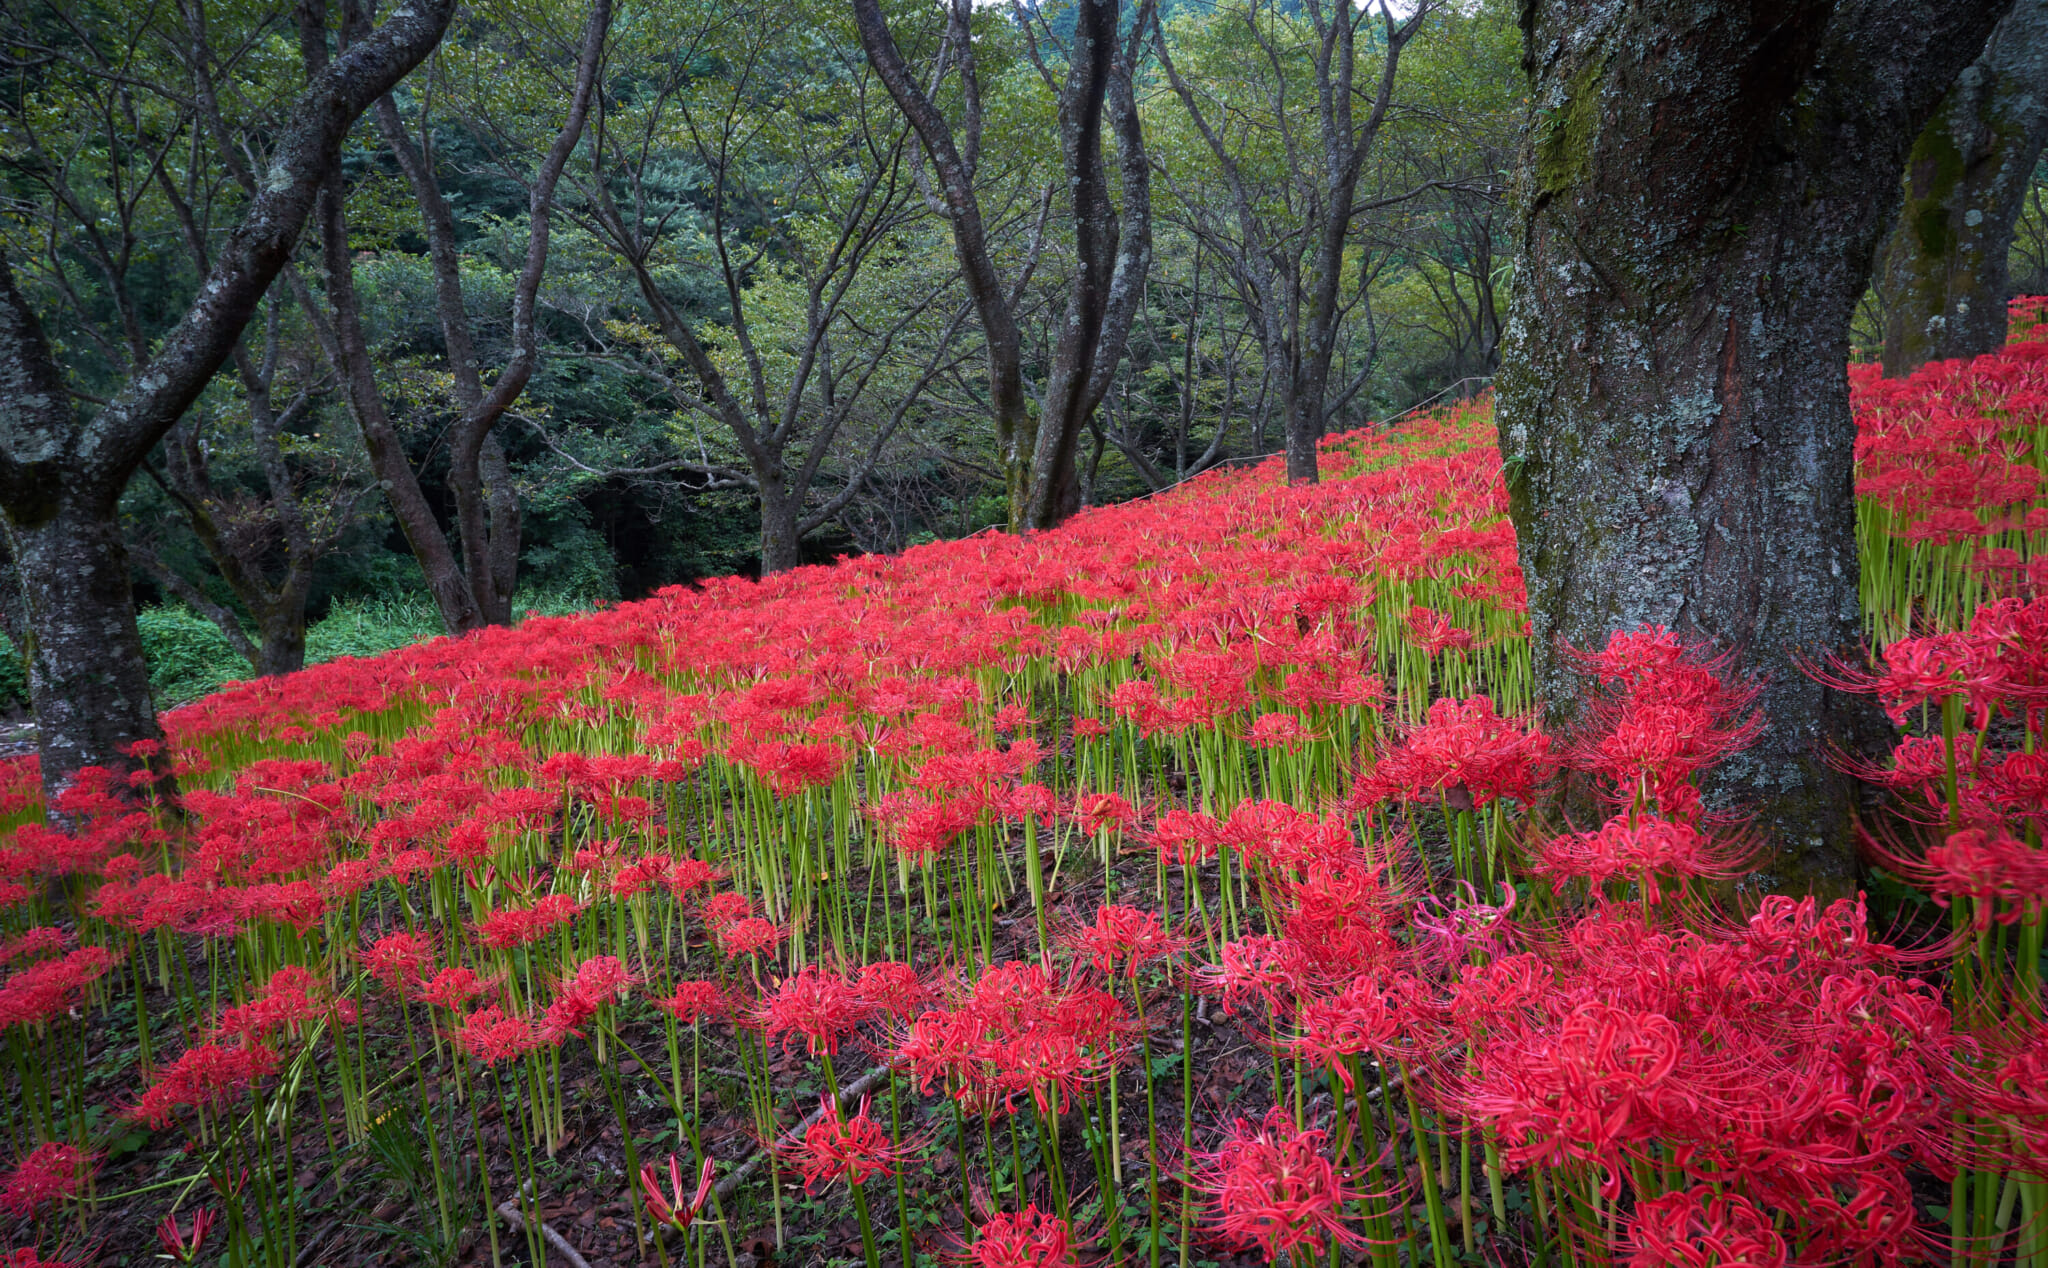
(61, 474)
(1702, 191)
(1113, 247)
(1943, 271)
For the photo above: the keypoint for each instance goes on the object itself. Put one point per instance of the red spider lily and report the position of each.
(722, 910)
(2007, 877)
(518, 927)
(670, 1208)
(1433, 632)
(1259, 967)
(687, 876)
(179, 1245)
(694, 1001)
(839, 1148)
(29, 1257)
(206, 1078)
(1637, 848)
(751, 936)
(289, 1000)
(893, 989)
(34, 944)
(1660, 714)
(597, 981)
(1186, 837)
(1124, 934)
(401, 961)
(1277, 730)
(1104, 812)
(1272, 1186)
(1366, 1016)
(1029, 1239)
(820, 1007)
(491, 1035)
(1021, 1030)
(1600, 1084)
(1463, 744)
(50, 1173)
(36, 994)
(455, 988)
(1278, 835)
(1703, 1228)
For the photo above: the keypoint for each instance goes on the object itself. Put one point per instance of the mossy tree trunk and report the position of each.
(62, 469)
(1702, 191)
(1943, 275)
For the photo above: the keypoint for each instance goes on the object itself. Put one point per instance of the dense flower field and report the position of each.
(1172, 887)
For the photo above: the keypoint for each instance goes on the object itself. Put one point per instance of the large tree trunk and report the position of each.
(1944, 269)
(781, 533)
(1702, 191)
(61, 475)
(87, 677)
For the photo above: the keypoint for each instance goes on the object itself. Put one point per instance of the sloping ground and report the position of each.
(1203, 807)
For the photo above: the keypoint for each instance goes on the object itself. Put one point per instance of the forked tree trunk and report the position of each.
(1943, 274)
(1702, 190)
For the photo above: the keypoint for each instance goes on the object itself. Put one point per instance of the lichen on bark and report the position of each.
(1701, 194)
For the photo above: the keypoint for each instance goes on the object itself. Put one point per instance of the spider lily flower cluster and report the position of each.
(1176, 883)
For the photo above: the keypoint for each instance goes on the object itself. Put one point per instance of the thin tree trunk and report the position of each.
(1944, 267)
(1702, 192)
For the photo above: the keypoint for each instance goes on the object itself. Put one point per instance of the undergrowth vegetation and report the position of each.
(1178, 885)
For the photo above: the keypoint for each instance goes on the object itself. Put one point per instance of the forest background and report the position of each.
(743, 198)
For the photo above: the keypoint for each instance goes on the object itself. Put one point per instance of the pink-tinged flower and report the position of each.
(1029, 1239)
(822, 1008)
(1090, 728)
(839, 1148)
(180, 1246)
(1125, 934)
(28, 1257)
(1702, 1228)
(1273, 1187)
(693, 1001)
(670, 1208)
(50, 1173)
